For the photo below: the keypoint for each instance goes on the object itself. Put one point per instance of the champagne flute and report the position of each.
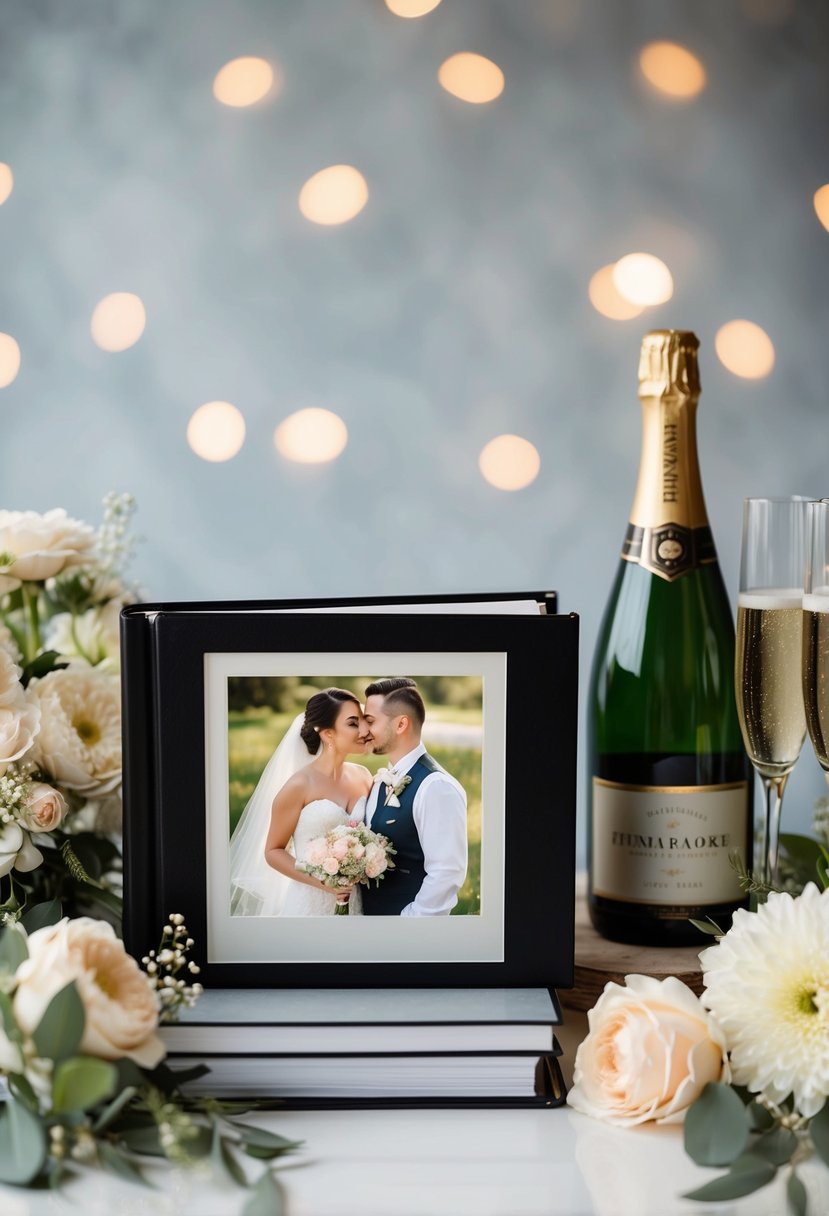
(816, 631)
(768, 659)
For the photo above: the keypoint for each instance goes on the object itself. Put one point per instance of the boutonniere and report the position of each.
(395, 784)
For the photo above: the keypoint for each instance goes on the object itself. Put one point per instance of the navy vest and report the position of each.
(399, 886)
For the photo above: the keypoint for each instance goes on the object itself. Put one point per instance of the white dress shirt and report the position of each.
(439, 812)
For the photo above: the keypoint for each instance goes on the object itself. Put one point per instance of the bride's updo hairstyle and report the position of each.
(321, 712)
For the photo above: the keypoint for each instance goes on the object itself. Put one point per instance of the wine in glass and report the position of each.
(816, 631)
(768, 658)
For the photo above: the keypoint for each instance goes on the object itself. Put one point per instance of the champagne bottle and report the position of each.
(669, 781)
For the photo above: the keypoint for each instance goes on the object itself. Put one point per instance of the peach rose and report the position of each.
(331, 865)
(45, 808)
(375, 867)
(120, 1006)
(650, 1050)
(340, 848)
(317, 852)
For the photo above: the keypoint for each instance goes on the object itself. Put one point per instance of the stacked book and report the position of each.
(378, 1046)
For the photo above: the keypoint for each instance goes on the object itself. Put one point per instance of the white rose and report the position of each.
(41, 546)
(45, 808)
(120, 1007)
(16, 850)
(651, 1050)
(93, 635)
(19, 713)
(79, 744)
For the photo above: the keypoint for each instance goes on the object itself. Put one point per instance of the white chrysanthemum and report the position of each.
(19, 712)
(93, 635)
(767, 984)
(37, 547)
(79, 744)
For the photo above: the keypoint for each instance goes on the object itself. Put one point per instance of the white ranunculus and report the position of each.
(79, 744)
(44, 809)
(41, 546)
(93, 635)
(120, 1006)
(650, 1051)
(16, 850)
(767, 984)
(19, 712)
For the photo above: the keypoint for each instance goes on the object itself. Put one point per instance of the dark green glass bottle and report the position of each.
(669, 781)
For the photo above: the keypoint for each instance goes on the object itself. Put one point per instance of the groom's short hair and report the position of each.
(400, 695)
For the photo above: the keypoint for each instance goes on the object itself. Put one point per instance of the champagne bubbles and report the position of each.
(9, 360)
(311, 436)
(334, 195)
(672, 71)
(243, 82)
(509, 462)
(607, 299)
(6, 182)
(411, 8)
(643, 279)
(216, 431)
(118, 321)
(471, 77)
(821, 202)
(745, 349)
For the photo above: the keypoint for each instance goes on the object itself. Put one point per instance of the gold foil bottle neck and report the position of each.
(668, 364)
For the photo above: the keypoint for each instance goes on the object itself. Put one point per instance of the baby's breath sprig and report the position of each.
(114, 545)
(15, 787)
(175, 1127)
(164, 965)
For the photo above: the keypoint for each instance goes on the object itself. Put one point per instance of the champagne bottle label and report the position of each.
(668, 845)
(670, 550)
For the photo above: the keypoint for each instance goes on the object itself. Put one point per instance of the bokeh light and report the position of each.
(643, 279)
(607, 299)
(509, 462)
(745, 349)
(243, 81)
(411, 8)
(216, 431)
(334, 195)
(821, 201)
(6, 182)
(672, 70)
(118, 321)
(471, 77)
(9, 360)
(311, 436)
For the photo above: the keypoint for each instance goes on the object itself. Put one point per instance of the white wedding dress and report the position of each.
(315, 819)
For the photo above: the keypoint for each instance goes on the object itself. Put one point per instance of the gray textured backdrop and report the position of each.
(452, 309)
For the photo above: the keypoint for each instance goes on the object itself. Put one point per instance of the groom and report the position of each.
(422, 811)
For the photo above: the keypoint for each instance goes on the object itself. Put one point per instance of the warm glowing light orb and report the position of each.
(9, 360)
(745, 349)
(607, 299)
(243, 81)
(471, 77)
(509, 462)
(216, 431)
(643, 279)
(311, 436)
(672, 70)
(821, 201)
(118, 321)
(6, 182)
(411, 8)
(334, 195)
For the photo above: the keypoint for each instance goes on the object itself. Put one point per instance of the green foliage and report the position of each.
(13, 949)
(796, 1196)
(81, 1083)
(23, 1148)
(808, 859)
(59, 1033)
(747, 1174)
(716, 1126)
(268, 1198)
(819, 1132)
(41, 665)
(41, 915)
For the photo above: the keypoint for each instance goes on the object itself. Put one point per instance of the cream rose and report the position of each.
(36, 547)
(650, 1051)
(120, 1007)
(79, 744)
(45, 808)
(16, 850)
(19, 712)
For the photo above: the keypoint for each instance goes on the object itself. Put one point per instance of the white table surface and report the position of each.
(442, 1163)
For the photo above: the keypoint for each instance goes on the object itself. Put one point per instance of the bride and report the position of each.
(308, 787)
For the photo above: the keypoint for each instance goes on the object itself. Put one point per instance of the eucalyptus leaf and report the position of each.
(130, 1074)
(224, 1163)
(762, 1120)
(819, 1131)
(716, 1126)
(802, 850)
(41, 915)
(81, 1083)
(22, 1144)
(13, 949)
(708, 927)
(60, 1031)
(260, 1137)
(8, 1021)
(22, 1089)
(737, 1182)
(118, 1163)
(776, 1146)
(143, 1140)
(268, 1198)
(796, 1196)
(113, 1110)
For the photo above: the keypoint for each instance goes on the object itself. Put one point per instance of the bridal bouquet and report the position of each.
(61, 593)
(350, 853)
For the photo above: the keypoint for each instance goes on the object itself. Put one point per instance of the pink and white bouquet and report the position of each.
(350, 853)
